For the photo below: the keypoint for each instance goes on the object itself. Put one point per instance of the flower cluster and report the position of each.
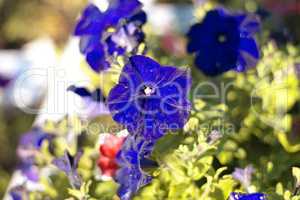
(149, 100)
(105, 35)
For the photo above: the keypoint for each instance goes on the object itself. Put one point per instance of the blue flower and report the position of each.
(98, 44)
(224, 41)
(29, 143)
(30, 171)
(69, 164)
(243, 175)
(28, 147)
(130, 159)
(33, 139)
(254, 196)
(150, 99)
(95, 95)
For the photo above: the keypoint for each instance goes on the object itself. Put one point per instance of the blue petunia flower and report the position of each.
(254, 196)
(150, 99)
(98, 44)
(131, 159)
(224, 41)
(69, 164)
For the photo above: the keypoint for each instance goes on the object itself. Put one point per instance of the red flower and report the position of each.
(109, 149)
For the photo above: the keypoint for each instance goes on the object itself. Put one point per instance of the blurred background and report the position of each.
(36, 32)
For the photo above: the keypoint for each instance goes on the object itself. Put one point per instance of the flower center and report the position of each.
(148, 90)
(222, 38)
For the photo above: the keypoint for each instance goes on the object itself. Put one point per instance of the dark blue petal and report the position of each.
(119, 97)
(248, 55)
(195, 35)
(127, 116)
(113, 47)
(96, 59)
(98, 96)
(122, 9)
(130, 175)
(128, 8)
(139, 18)
(123, 105)
(177, 114)
(213, 62)
(88, 43)
(91, 21)
(171, 76)
(130, 78)
(145, 67)
(81, 91)
(249, 46)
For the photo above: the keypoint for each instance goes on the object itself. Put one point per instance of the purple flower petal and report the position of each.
(244, 175)
(69, 165)
(130, 175)
(96, 59)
